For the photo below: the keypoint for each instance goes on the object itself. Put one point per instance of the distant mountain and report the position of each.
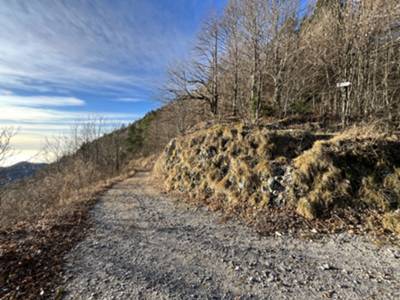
(18, 171)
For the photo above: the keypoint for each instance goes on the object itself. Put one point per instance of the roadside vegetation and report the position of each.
(254, 171)
(329, 69)
(271, 115)
(80, 160)
(43, 216)
(326, 68)
(335, 60)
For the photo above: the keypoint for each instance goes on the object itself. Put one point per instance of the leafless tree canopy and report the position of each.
(80, 160)
(89, 142)
(6, 135)
(334, 59)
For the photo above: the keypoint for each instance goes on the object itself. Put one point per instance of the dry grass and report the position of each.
(358, 169)
(32, 254)
(373, 131)
(53, 191)
(391, 221)
(231, 167)
(32, 248)
(142, 164)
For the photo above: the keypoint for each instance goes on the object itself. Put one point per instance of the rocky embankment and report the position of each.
(243, 170)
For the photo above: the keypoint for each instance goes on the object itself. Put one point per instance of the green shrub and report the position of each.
(138, 133)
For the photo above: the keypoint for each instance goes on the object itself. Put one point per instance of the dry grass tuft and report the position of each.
(243, 170)
(350, 170)
(391, 221)
(232, 167)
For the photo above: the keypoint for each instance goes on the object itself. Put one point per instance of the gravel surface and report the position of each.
(144, 245)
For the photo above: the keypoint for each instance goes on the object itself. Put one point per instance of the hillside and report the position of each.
(19, 171)
(286, 182)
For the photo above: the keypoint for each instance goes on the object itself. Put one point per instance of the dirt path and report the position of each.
(145, 246)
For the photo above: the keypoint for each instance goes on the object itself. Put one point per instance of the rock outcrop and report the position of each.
(237, 167)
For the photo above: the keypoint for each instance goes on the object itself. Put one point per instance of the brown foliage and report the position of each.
(31, 256)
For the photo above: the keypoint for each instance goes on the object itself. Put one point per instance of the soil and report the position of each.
(31, 255)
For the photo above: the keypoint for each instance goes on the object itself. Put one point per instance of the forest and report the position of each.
(335, 60)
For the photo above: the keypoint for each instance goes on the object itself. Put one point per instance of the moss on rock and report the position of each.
(357, 173)
(239, 168)
(242, 165)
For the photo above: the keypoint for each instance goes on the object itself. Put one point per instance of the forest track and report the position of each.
(144, 245)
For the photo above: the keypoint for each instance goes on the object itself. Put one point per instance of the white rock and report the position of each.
(326, 267)
(271, 278)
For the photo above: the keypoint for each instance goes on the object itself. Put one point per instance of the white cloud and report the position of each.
(38, 118)
(81, 45)
(42, 109)
(20, 114)
(34, 101)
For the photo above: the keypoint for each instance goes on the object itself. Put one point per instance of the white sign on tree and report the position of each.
(343, 84)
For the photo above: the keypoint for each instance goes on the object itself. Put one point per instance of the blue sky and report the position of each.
(67, 59)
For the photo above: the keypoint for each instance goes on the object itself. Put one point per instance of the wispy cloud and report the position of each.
(81, 45)
(28, 109)
(61, 61)
(34, 101)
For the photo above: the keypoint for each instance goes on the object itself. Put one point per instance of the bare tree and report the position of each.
(354, 42)
(337, 60)
(280, 49)
(199, 79)
(254, 33)
(231, 26)
(89, 141)
(6, 149)
(206, 72)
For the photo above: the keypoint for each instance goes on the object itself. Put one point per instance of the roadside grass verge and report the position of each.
(32, 251)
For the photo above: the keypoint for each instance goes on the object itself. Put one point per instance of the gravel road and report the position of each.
(144, 245)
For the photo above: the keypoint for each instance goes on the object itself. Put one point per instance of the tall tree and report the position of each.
(231, 27)
(254, 25)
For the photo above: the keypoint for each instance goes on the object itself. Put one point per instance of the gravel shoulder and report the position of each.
(144, 245)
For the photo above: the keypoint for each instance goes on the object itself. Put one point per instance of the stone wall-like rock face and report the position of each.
(234, 166)
(362, 173)
(237, 168)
